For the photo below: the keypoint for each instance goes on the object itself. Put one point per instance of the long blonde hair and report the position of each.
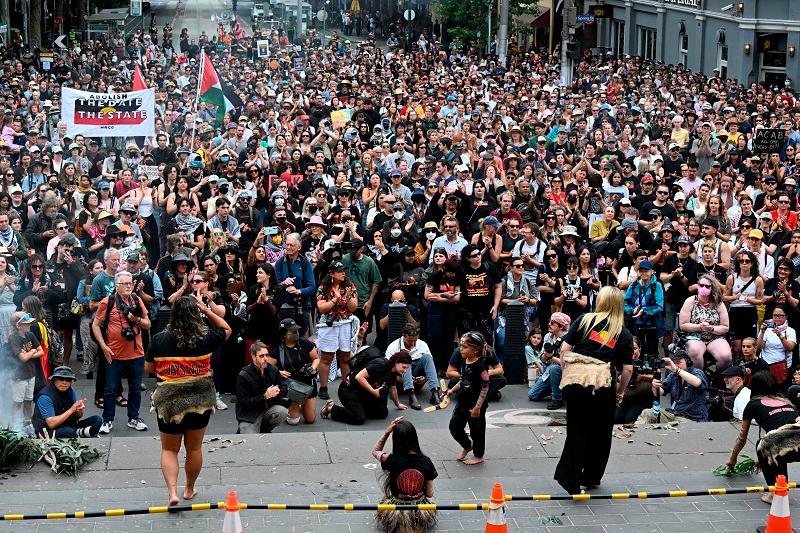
(610, 309)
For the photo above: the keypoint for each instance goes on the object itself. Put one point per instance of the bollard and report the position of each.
(398, 316)
(514, 363)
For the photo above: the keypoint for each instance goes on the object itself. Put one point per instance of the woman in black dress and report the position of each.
(590, 409)
(408, 478)
(185, 396)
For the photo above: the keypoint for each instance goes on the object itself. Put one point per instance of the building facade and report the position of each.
(750, 41)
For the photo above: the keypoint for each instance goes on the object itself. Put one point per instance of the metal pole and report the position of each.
(299, 24)
(566, 63)
(489, 32)
(502, 33)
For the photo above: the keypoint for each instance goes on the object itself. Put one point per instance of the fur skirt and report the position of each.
(172, 400)
(393, 521)
(779, 442)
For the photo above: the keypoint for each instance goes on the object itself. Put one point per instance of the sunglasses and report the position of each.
(704, 285)
(517, 266)
(197, 281)
(744, 261)
(36, 267)
(474, 256)
(551, 256)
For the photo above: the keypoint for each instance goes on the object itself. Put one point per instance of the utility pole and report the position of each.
(568, 19)
(489, 30)
(502, 33)
(299, 24)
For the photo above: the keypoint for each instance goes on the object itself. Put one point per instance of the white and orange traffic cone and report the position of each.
(779, 520)
(233, 522)
(496, 520)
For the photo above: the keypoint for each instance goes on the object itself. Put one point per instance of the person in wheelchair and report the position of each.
(703, 322)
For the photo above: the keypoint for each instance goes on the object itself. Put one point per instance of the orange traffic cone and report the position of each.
(233, 522)
(496, 520)
(779, 520)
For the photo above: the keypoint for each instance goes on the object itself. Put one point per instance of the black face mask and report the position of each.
(280, 220)
(312, 208)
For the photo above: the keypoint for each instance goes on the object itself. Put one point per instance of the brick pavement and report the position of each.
(300, 467)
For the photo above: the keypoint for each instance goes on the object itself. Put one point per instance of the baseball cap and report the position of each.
(491, 221)
(679, 196)
(646, 265)
(14, 189)
(289, 324)
(336, 266)
(733, 371)
(684, 239)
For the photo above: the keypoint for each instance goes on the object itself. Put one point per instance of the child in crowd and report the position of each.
(23, 350)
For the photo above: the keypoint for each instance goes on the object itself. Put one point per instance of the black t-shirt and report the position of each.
(666, 211)
(575, 289)
(473, 375)
(378, 371)
(770, 413)
(717, 271)
(440, 283)
(16, 344)
(411, 471)
(477, 287)
(678, 291)
(295, 357)
(596, 344)
(176, 363)
(771, 288)
(262, 323)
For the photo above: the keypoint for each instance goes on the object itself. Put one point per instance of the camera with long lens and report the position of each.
(128, 332)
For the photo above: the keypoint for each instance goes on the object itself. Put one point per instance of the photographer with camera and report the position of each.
(297, 361)
(296, 285)
(118, 324)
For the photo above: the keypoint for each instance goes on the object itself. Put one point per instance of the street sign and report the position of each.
(768, 140)
(409, 15)
(46, 58)
(136, 8)
(584, 19)
(60, 42)
(322, 15)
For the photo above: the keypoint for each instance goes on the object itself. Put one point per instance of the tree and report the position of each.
(467, 19)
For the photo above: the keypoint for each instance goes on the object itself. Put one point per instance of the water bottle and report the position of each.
(657, 410)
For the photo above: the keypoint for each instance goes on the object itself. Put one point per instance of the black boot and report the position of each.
(412, 400)
(436, 397)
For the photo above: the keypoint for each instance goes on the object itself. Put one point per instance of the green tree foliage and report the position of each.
(466, 19)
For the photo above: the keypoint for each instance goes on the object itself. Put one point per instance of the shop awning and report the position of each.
(542, 21)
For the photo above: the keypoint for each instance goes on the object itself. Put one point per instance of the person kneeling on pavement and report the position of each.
(422, 368)
(687, 387)
(261, 394)
(549, 383)
(59, 411)
(363, 392)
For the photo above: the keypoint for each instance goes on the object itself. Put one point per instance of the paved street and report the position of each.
(331, 462)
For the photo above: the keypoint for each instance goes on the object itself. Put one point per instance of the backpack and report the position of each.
(360, 360)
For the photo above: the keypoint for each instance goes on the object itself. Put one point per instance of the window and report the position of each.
(647, 43)
(683, 51)
(722, 60)
(617, 38)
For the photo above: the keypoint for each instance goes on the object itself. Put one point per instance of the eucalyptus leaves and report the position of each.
(65, 456)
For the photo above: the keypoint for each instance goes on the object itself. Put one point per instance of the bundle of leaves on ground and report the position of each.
(747, 466)
(65, 456)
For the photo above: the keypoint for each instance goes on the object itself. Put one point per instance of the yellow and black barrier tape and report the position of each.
(474, 506)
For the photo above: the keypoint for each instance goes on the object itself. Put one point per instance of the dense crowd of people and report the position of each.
(360, 175)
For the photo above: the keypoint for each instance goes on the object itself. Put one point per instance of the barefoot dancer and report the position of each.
(471, 392)
(185, 397)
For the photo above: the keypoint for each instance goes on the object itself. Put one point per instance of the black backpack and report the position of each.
(359, 361)
(112, 301)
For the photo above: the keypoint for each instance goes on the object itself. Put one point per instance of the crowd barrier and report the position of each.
(472, 506)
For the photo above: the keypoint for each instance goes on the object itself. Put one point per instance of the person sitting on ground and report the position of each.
(638, 394)
(407, 480)
(59, 412)
(549, 383)
(364, 390)
(422, 368)
(296, 358)
(260, 394)
(688, 388)
(734, 382)
(771, 412)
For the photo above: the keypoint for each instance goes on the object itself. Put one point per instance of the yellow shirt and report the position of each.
(601, 228)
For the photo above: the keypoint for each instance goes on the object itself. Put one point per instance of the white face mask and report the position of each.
(430, 235)
(398, 215)
(396, 232)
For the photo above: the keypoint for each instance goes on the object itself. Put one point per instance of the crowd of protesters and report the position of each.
(450, 183)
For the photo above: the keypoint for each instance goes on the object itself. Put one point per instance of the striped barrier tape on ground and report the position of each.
(387, 507)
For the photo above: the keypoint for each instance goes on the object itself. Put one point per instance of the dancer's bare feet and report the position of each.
(188, 493)
(173, 499)
(461, 456)
(767, 498)
(474, 461)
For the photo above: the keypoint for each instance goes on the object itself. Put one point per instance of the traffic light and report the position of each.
(573, 49)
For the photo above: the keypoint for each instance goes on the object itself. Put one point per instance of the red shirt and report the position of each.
(123, 349)
(791, 218)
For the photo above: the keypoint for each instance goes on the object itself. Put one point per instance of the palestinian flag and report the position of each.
(216, 93)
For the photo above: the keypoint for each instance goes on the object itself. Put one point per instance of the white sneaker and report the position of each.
(137, 424)
(221, 406)
(106, 428)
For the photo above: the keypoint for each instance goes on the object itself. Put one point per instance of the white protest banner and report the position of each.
(108, 115)
(150, 170)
